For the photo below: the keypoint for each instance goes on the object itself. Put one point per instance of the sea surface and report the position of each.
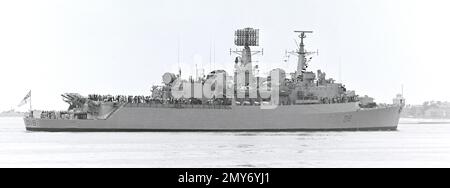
(413, 145)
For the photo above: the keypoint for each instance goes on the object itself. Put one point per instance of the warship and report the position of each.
(242, 101)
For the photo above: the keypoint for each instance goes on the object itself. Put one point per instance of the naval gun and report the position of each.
(75, 100)
(80, 103)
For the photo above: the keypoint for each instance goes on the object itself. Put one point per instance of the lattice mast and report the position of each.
(302, 54)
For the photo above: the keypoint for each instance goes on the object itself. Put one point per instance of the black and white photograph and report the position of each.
(224, 84)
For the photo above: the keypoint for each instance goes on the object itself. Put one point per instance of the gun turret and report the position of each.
(74, 100)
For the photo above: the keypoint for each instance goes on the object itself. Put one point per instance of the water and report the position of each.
(411, 146)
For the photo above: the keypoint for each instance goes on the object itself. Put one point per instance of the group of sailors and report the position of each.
(121, 99)
(334, 100)
(56, 115)
(149, 100)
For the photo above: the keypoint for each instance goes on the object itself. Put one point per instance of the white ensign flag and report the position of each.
(25, 99)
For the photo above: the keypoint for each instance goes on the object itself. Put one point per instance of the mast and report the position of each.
(210, 57)
(245, 38)
(302, 54)
(178, 58)
(31, 107)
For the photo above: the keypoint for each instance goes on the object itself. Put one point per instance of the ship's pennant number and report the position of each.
(348, 118)
(34, 123)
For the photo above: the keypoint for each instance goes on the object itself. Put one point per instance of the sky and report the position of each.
(124, 46)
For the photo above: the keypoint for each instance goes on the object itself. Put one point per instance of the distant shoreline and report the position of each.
(424, 121)
(11, 114)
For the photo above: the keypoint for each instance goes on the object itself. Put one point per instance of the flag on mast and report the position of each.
(25, 99)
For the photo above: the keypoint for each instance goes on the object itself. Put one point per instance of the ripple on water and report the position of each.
(414, 145)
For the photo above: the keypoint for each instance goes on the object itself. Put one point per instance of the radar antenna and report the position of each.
(246, 37)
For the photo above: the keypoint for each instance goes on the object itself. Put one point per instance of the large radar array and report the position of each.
(246, 37)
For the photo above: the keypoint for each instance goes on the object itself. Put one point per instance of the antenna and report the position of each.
(196, 71)
(304, 31)
(179, 67)
(178, 45)
(246, 38)
(340, 69)
(210, 56)
(402, 90)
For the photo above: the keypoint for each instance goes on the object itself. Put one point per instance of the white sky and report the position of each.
(124, 46)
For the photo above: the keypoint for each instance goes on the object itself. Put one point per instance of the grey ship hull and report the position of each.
(331, 117)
